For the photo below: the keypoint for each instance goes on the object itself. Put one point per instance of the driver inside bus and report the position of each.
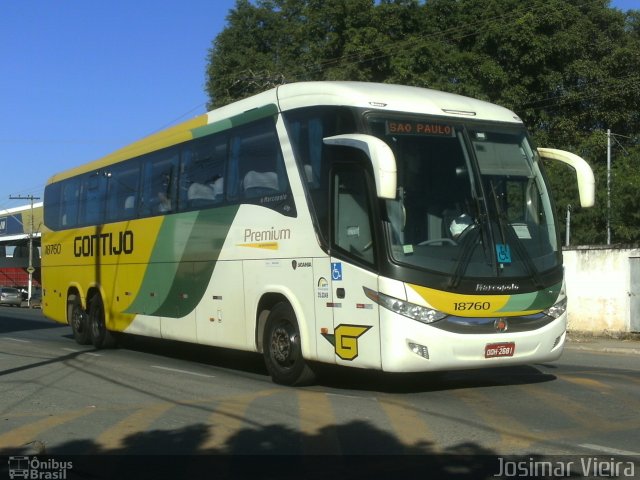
(459, 225)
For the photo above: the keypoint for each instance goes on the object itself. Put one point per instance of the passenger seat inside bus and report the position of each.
(204, 194)
(129, 206)
(353, 227)
(200, 194)
(257, 184)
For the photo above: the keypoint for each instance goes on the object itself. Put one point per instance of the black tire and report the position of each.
(281, 348)
(77, 319)
(100, 336)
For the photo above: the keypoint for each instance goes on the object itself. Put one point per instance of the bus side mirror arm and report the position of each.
(586, 181)
(380, 155)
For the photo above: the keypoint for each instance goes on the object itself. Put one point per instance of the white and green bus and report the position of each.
(369, 225)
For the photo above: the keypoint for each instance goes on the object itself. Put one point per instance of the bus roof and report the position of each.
(389, 97)
(398, 98)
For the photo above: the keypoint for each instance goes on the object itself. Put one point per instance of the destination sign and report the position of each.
(413, 127)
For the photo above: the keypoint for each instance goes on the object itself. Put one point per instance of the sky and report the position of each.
(82, 78)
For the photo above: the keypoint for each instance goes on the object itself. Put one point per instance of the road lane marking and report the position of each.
(17, 340)
(342, 395)
(612, 451)
(186, 372)
(585, 420)
(586, 382)
(18, 437)
(512, 434)
(115, 437)
(573, 410)
(85, 352)
(412, 430)
(229, 418)
(317, 424)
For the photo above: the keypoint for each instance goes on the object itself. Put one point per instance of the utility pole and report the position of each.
(608, 186)
(609, 136)
(567, 235)
(30, 269)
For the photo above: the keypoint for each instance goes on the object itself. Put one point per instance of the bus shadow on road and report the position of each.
(356, 450)
(343, 378)
(346, 378)
(213, 356)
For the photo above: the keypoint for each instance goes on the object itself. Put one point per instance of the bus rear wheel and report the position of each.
(77, 319)
(100, 336)
(282, 350)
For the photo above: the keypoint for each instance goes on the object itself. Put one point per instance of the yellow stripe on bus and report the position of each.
(166, 138)
(74, 265)
(456, 303)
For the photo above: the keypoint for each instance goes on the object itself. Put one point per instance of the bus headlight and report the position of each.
(407, 309)
(557, 309)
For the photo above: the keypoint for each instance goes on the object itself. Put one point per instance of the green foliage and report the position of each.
(569, 68)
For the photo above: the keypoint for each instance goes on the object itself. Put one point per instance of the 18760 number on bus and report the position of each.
(471, 306)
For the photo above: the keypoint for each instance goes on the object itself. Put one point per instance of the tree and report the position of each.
(569, 68)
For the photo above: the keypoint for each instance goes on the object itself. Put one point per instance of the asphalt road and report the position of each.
(166, 398)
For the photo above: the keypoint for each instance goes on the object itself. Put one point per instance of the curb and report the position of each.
(603, 349)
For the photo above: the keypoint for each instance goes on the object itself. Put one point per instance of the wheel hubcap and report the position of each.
(282, 345)
(77, 321)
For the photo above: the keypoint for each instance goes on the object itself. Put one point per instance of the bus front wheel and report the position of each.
(77, 319)
(282, 350)
(100, 336)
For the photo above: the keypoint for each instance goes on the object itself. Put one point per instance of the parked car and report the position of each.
(10, 296)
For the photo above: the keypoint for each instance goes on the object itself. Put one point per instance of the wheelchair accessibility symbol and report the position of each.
(504, 253)
(336, 271)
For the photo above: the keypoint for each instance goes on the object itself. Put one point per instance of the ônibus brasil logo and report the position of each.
(34, 468)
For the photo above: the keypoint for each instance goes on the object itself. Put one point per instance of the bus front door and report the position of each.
(356, 326)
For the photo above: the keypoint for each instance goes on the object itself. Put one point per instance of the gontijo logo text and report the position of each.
(103, 244)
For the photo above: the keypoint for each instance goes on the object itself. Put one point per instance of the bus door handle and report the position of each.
(340, 292)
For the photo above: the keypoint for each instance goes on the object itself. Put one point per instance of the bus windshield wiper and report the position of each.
(469, 243)
(506, 230)
(468, 246)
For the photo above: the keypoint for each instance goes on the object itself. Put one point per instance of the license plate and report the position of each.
(493, 350)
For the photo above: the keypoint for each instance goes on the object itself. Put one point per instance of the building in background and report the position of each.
(18, 226)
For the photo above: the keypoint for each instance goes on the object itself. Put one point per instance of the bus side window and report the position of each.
(253, 170)
(122, 191)
(257, 172)
(202, 173)
(52, 197)
(69, 203)
(93, 196)
(159, 183)
(307, 127)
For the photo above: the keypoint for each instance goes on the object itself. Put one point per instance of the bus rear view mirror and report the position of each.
(380, 155)
(586, 181)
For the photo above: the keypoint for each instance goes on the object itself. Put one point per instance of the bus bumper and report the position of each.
(411, 346)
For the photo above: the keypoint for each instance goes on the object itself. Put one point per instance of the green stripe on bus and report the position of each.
(246, 117)
(546, 297)
(533, 301)
(182, 262)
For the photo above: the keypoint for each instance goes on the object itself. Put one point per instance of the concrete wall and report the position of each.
(598, 287)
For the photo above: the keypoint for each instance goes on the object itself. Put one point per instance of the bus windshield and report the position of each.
(470, 201)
